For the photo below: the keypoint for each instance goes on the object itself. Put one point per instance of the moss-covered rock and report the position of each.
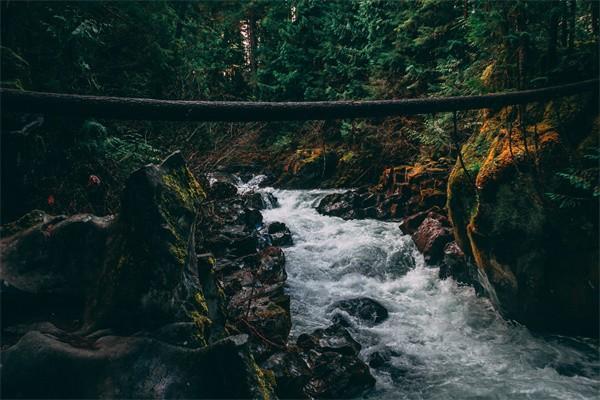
(150, 275)
(539, 262)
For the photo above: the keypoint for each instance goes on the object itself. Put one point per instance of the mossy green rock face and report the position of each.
(538, 262)
(150, 275)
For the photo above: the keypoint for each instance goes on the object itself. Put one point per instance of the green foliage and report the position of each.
(283, 50)
(582, 184)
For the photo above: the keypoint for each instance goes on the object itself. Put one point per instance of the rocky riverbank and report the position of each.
(180, 295)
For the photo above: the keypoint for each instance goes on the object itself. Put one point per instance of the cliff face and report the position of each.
(538, 260)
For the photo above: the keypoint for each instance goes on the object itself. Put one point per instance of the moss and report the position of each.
(201, 301)
(348, 156)
(265, 380)
(203, 324)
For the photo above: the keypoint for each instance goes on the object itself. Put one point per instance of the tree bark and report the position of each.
(572, 27)
(552, 38)
(124, 108)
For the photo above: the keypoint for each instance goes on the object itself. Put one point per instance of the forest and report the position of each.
(438, 255)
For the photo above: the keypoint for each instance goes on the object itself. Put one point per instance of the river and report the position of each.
(440, 341)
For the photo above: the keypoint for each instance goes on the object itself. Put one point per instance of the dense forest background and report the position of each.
(266, 51)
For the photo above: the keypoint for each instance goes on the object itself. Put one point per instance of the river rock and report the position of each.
(336, 369)
(366, 310)
(410, 224)
(347, 205)
(223, 190)
(333, 338)
(280, 234)
(431, 237)
(291, 373)
(260, 200)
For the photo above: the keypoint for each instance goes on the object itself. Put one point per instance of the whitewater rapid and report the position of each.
(440, 341)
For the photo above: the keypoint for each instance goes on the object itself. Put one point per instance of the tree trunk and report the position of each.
(552, 39)
(572, 27)
(78, 106)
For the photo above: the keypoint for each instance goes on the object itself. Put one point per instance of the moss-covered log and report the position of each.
(179, 110)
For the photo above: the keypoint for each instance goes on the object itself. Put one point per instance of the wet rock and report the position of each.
(430, 239)
(336, 375)
(252, 219)
(541, 260)
(64, 365)
(291, 374)
(381, 358)
(332, 339)
(271, 268)
(455, 265)
(222, 190)
(410, 224)
(347, 205)
(280, 234)
(260, 200)
(336, 370)
(368, 311)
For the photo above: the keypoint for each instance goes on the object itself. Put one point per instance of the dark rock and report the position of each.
(347, 205)
(379, 359)
(280, 234)
(336, 370)
(337, 376)
(332, 339)
(58, 255)
(430, 238)
(368, 311)
(291, 374)
(251, 218)
(271, 268)
(455, 265)
(222, 190)
(62, 365)
(155, 230)
(260, 200)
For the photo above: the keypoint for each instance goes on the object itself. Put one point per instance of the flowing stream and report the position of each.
(440, 341)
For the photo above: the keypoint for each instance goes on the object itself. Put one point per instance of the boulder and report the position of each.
(63, 365)
(431, 237)
(54, 255)
(222, 190)
(332, 339)
(366, 310)
(539, 260)
(347, 205)
(336, 369)
(280, 234)
(150, 274)
(411, 223)
(291, 374)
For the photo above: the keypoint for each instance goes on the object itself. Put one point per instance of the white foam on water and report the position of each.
(443, 341)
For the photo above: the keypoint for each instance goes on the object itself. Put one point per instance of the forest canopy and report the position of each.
(261, 50)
